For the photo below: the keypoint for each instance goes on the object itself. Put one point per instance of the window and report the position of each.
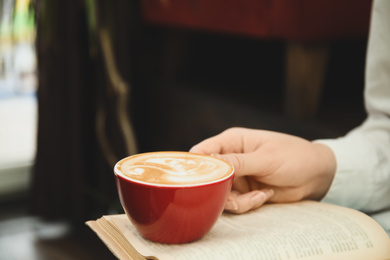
(18, 83)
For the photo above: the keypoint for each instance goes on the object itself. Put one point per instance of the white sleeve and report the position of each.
(362, 179)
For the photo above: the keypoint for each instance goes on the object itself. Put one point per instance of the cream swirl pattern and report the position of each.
(174, 168)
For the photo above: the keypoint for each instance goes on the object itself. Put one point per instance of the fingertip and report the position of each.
(260, 197)
(202, 148)
(231, 205)
(193, 149)
(248, 201)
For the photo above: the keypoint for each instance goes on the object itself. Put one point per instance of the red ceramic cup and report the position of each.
(173, 213)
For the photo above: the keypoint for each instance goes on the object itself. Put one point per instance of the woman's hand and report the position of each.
(271, 166)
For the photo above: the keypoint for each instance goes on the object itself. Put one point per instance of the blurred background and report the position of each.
(86, 83)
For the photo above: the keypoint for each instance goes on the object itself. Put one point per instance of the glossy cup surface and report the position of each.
(173, 214)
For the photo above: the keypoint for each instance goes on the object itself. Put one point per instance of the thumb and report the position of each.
(243, 163)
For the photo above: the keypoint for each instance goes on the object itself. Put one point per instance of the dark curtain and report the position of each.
(72, 178)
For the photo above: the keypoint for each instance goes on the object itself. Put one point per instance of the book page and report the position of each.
(117, 247)
(305, 230)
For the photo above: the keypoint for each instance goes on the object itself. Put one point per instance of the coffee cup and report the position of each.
(173, 197)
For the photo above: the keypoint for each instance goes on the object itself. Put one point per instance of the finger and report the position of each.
(229, 141)
(244, 164)
(248, 201)
(242, 185)
(231, 204)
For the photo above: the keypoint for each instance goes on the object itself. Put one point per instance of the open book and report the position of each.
(302, 230)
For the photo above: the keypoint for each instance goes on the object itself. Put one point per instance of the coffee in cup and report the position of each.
(173, 197)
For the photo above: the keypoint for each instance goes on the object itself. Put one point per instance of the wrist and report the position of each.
(325, 162)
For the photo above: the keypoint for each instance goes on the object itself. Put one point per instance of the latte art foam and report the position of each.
(174, 168)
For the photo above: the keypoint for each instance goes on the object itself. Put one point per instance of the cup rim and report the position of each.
(118, 173)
